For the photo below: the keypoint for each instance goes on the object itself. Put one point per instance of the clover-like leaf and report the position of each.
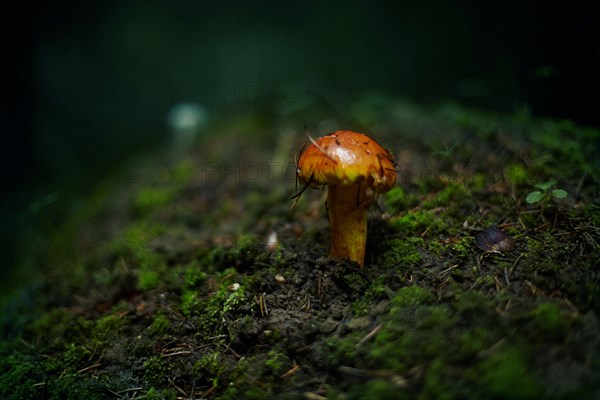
(534, 197)
(559, 193)
(546, 185)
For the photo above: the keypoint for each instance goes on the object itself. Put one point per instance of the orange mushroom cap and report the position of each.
(346, 158)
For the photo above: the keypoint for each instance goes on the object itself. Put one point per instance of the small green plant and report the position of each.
(546, 193)
(446, 152)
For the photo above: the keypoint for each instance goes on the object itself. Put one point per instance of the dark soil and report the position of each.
(193, 277)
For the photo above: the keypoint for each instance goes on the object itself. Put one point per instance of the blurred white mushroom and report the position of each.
(272, 241)
(186, 120)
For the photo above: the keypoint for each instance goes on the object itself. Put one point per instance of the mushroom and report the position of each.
(355, 168)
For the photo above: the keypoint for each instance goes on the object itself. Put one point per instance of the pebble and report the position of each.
(358, 323)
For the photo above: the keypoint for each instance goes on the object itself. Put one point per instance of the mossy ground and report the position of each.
(194, 278)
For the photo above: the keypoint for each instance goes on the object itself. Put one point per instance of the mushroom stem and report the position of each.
(347, 205)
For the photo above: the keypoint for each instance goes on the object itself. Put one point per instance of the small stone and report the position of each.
(358, 323)
(493, 239)
(328, 326)
(381, 307)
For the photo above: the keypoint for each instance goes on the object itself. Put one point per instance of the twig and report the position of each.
(180, 390)
(177, 353)
(228, 348)
(498, 283)
(515, 264)
(445, 271)
(262, 305)
(397, 379)
(88, 368)
(292, 371)
(208, 392)
(369, 335)
(313, 396)
(193, 389)
(477, 281)
(135, 389)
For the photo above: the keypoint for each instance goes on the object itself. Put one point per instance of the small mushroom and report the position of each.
(355, 168)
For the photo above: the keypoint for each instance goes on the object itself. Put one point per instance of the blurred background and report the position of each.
(88, 84)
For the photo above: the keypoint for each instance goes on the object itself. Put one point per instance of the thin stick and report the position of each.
(318, 146)
(369, 335)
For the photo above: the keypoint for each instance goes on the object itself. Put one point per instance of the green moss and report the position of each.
(434, 317)
(108, 327)
(377, 389)
(243, 378)
(398, 200)
(46, 377)
(76, 386)
(151, 199)
(136, 236)
(377, 290)
(182, 172)
(189, 302)
(157, 371)
(155, 394)
(160, 324)
(132, 248)
(193, 275)
(458, 251)
(418, 222)
(395, 348)
(211, 311)
(417, 329)
(563, 140)
(534, 244)
(253, 393)
(440, 383)
(448, 341)
(462, 249)
(516, 174)
(435, 246)
(242, 255)
(209, 367)
(505, 375)
(19, 377)
(75, 356)
(455, 194)
(278, 362)
(412, 296)
(479, 182)
(355, 281)
(472, 303)
(232, 301)
(473, 340)
(403, 252)
(341, 350)
(148, 279)
(548, 319)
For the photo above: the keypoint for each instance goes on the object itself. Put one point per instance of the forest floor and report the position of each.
(188, 275)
